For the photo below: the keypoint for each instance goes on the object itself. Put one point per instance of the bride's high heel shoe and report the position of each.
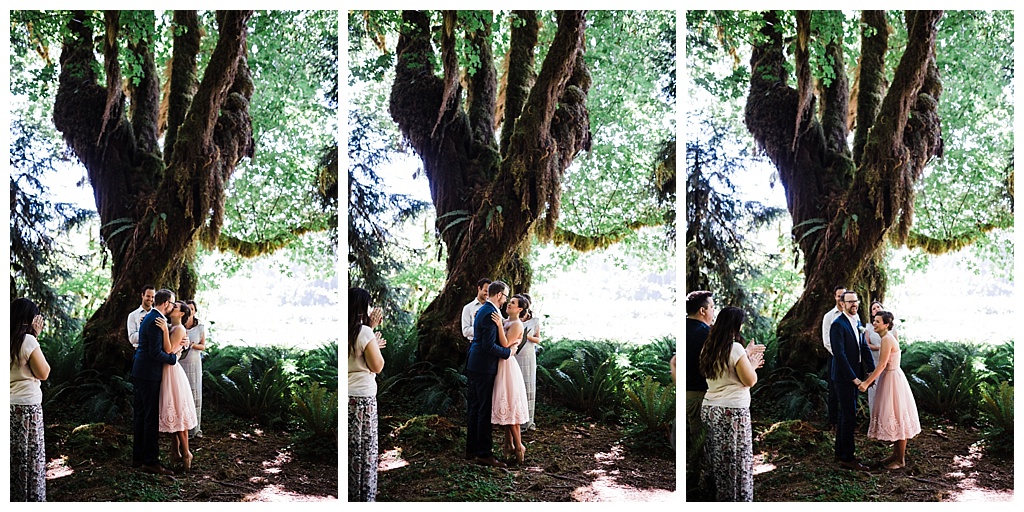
(521, 453)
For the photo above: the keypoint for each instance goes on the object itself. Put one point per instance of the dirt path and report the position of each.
(566, 460)
(944, 463)
(233, 462)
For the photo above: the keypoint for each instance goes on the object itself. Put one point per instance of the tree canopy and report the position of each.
(501, 108)
(885, 140)
(162, 108)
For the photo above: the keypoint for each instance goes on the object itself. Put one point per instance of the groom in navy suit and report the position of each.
(851, 362)
(481, 368)
(147, 372)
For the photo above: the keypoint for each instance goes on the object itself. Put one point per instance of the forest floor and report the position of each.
(793, 461)
(568, 458)
(234, 462)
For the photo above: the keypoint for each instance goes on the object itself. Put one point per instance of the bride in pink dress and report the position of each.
(177, 408)
(510, 406)
(894, 415)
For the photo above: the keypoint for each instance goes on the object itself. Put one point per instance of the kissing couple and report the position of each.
(497, 392)
(163, 398)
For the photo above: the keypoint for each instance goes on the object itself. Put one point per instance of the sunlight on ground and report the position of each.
(606, 487)
(58, 468)
(276, 493)
(391, 459)
(760, 466)
(273, 467)
(968, 485)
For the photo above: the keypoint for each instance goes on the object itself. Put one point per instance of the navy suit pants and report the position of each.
(847, 395)
(146, 419)
(478, 413)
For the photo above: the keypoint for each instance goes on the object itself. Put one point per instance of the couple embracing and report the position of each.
(163, 398)
(497, 393)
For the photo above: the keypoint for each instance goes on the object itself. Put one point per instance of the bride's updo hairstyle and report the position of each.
(523, 303)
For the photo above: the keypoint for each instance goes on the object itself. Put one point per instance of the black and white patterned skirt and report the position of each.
(362, 448)
(28, 457)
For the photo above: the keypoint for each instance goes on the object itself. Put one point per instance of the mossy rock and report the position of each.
(95, 440)
(430, 433)
(793, 437)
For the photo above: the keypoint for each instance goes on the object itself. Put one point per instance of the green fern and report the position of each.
(948, 384)
(255, 391)
(654, 409)
(585, 383)
(316, 409)
(997, 409)
(430, 388)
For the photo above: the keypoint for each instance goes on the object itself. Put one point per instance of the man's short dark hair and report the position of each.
(482, 282)
(837, 288)
(147, 287)
(696, 300)
(496, 287)
(162, 296)
(846, 292)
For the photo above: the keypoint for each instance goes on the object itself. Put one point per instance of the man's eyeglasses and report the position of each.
(852, 301)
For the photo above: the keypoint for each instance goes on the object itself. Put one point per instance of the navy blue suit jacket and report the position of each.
(150, 357)
(485, 350)
(847, 347)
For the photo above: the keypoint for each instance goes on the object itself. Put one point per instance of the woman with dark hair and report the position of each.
(526, 356)
(192, 362)
(730, 372)
(28, 369)
(364, 363)
(894, 415)
(874, 341)
(177, 408)
(509, 406)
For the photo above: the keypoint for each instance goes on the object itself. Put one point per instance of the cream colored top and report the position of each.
(726, 390)
(25, 388)
(361, 381)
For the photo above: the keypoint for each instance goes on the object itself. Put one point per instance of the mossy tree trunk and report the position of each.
(845, 203)
(155, 203)
(490, 195)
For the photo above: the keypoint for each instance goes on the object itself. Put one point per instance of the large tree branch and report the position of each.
(535, 122)
(585, 243)
(450, 67)
(520, 75)
(253, 248)
(871, 81)
(907, 132)
(183, 81)
(198, 147)
(145, 96)
(482, 89)
(836, 101)
(114, 106)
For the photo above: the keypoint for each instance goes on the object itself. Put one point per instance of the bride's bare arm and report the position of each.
(175, 341)
(496, 317)
(514, 334)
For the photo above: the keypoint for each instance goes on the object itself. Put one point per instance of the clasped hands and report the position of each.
(755, 353)
(863, 386)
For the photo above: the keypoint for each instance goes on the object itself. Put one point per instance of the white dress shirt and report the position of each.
(134, 321)
(468, 315)
(826, 325)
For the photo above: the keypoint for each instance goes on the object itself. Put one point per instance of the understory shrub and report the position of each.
(997, 410)
(316, 412)
(320, 366)
(255, 388)
(585, 376)
(792, 395)
(653, 409)
(945, 378)
(93, 397)
(428, 388)
(651, 360)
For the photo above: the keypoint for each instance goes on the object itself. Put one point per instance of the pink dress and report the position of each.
(509, 405)
(177, 408)
(894, 414)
